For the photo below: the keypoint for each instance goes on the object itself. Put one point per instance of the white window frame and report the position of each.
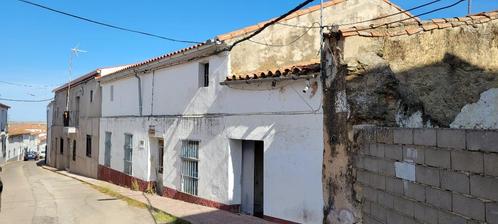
(190, 166)
(128, 164)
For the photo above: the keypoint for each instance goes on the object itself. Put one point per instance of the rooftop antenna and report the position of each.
(74, 53)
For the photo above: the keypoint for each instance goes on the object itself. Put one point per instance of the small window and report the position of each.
(203, 74)
(91, 96)
(89, 146)
(112, 93)
(190, 168)
(74, 150)
(62, 146)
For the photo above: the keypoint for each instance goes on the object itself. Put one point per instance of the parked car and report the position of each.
(30, 156)
(42, 155)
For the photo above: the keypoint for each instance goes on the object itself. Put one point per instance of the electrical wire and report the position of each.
(26, 101)
(300, 6)
(348, 24)
(283, 45)
(371, 27)
(368, 20)
(411, 17)
(26, 85)
(108, 25)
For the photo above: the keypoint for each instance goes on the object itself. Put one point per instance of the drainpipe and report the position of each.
(139, 94)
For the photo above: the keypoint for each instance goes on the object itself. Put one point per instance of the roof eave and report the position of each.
(175, 59)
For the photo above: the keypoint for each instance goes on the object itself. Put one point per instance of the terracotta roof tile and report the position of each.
(410, 28)
(444, 25)
(301, 12)
(414, 30)
(27, 128)
(160, 57)
(429, 26)
(290, 71)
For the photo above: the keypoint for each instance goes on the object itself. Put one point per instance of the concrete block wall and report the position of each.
(434, 176)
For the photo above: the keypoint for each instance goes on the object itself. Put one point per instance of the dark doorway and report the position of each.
(252, 200)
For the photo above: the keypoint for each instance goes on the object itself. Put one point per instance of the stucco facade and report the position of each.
(3, 132)
(77, 150)
(164, 100)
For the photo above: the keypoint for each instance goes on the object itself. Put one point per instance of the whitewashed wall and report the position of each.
(283, 117)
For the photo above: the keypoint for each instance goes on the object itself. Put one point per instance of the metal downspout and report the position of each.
(139, 94)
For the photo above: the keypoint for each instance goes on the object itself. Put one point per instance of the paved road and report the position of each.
(33, 195)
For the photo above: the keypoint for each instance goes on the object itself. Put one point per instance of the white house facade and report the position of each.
(219, 143)
(3, 132)
(227, 129)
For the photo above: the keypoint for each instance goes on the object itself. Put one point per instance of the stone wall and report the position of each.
(426, 175)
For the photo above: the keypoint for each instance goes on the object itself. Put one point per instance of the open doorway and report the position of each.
(252, 200)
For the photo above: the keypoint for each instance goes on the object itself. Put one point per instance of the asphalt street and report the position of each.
(33, 195)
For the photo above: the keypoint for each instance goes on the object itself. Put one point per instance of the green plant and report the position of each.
(134, 185)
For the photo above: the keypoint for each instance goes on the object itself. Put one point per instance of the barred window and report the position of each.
(128, 154)
(190, 168)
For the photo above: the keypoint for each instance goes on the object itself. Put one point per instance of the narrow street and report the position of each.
(34, 195)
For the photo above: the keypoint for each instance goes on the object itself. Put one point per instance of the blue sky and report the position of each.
(35, 44)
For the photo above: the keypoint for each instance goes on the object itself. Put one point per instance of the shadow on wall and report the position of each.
(432, 95)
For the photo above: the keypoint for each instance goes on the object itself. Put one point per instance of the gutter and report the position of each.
(139, 93)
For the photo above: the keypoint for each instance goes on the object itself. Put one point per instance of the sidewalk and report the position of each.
(190, 212)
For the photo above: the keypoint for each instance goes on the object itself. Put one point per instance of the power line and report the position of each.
(368, 20)
(26, 101)
(300, 6)
(108, 25)
(411, 17)
(283, 45)
(26, 85)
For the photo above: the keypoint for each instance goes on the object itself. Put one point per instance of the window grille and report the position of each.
(128, 151)
(190, 168)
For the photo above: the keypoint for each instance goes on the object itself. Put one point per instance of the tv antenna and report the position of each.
(74, 53)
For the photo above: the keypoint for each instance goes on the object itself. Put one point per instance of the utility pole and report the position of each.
(469, 7)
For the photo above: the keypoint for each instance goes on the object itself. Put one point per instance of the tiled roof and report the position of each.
(4, 106)
(292, 71)
(410, 28)
(138, 64)
(253, 28)
(93, 74)
(27, 128)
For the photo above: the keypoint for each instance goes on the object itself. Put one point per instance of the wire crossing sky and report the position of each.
(35, 43)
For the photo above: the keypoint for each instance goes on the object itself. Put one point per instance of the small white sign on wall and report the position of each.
(405, 170)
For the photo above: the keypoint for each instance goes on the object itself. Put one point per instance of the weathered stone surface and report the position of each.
(469, 207)
(467, 161)
(455, 181)
(403, 136)
(437, 157)
(484, 187)
(425, 137)
(451, 138)
(394, 152)
(483, 140)
(438, 198)
(491, 164)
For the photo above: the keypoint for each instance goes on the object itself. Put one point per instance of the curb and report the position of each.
(121, 195)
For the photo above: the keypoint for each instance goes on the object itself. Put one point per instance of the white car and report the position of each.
(41, 155)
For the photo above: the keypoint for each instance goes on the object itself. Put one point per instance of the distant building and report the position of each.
(3, 132)
(23, 138)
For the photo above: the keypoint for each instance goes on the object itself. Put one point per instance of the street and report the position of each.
(35, 195)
